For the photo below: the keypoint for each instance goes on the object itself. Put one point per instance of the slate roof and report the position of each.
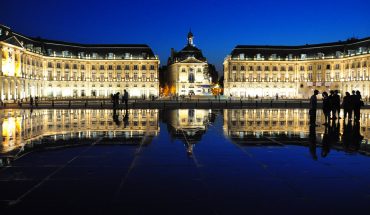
(312, 50)
(49, 47)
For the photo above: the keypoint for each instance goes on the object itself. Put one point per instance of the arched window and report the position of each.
(191, 77)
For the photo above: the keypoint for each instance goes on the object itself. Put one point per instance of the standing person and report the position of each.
(313, 107)
(357, 105)
(336, 104)
(326, 107)
(346, 105)
(333, 109)
(352, 102)
(125, 98)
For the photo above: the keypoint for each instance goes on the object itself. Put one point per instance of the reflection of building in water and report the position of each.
(20, 126)
(246, 126)
(188, 124)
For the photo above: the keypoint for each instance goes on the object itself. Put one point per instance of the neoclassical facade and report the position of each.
(45, 68)
(295, 71)
(188, 70)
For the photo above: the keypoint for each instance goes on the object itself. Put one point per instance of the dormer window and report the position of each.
(81, 54)
(338, 54)
(94, 55)
(241, 56)
(127, 55)
(303, 56)
(258, 56)
(110, 55)
(65, 53)
(273, 57)
(320, 55)
(290, 56)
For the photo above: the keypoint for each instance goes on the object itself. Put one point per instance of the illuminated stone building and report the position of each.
(22, 127)
(295, 71)
(188, 70)
(45, 68)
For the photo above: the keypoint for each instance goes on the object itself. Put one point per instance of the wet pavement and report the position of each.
(183, 162)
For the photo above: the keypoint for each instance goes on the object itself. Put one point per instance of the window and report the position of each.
(242, 68)
(302, 76)
(74, 66)
(151, 67)
(259, 68)
(66, 66)
(50, 75)
(301, 68)
(127, 67)
(310, 76)
(101, 67)
(318, 67)
(118, 67)
(309, 68)
(327, 76)
(250, 68)
(191, 77)
(274, 68)
(101, 76)
(50, 65)
(290, 68)
(267, 68)
(152, 77)
(143, 67)
(83, 67)
(82, 76)
(337, 76)
(336, 66)
(282, 68)
(93, 67)
(135, 76)
(118, 76)
(127, 76)
(58, 65)
(135, 67)
(93, 76)
(234, 68)
(328, 66)
(66, 76)
(110, 67)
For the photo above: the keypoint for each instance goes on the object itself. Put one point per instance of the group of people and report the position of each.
(115, 99)
(331, 106)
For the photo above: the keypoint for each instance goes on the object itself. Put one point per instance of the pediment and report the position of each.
(191, 60)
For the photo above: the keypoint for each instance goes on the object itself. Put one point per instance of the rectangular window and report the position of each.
(101, 67)
(110, 67)
(135, 67)
(151, 67)
(118, 67)
(143, 67)
(127, 67)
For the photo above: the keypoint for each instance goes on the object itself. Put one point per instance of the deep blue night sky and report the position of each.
(217, 25)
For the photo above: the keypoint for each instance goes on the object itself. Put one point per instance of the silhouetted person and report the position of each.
(312, 141)
(125, 98)
(313, 107)
(352, 102)
(326, 107)
(336, 103)
(346, 105)
(31, 101)
(357, 105)
(115, 117)
(333, 109)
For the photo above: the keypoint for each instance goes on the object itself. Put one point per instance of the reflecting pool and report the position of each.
(183, 161)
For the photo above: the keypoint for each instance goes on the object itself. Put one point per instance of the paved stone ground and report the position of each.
(220, 177)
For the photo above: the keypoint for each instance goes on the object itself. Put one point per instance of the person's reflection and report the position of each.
(125, 119)
(356, 136)
(326, 139)
(347, 134)
(115, 117)
(312, 141)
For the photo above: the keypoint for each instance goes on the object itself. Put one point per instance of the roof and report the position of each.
(312, 50)
(50, 47)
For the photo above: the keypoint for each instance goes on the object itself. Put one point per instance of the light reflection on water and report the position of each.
(23, 130)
